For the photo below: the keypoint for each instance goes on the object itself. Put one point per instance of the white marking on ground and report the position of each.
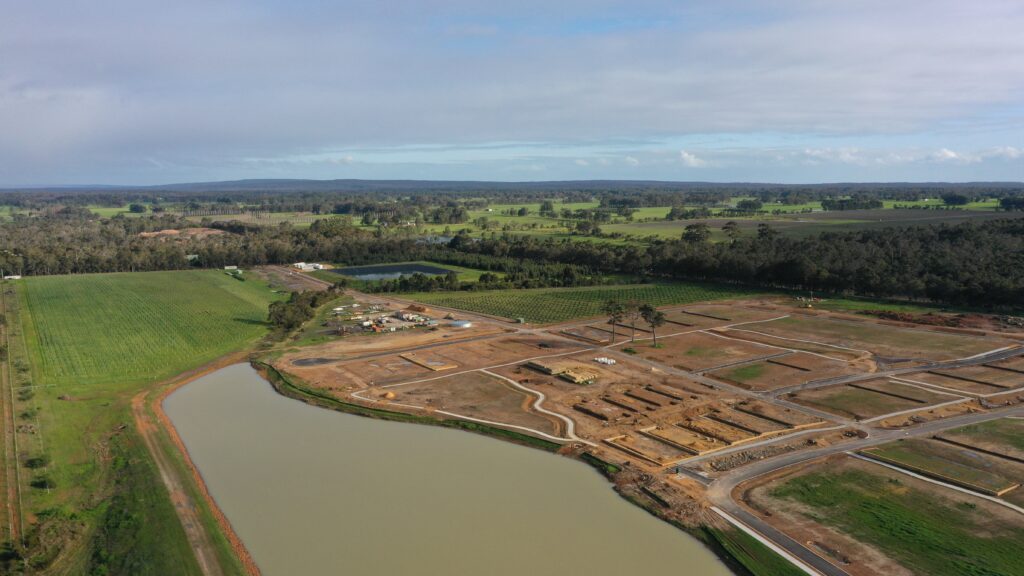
(926, 384)
(827, 345)
(983, 354)
(504, 425)
(570, 425)
(913, 384)
(774, 548)
(792, 350)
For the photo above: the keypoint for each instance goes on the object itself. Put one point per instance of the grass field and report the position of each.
(85, 346)
(753, 555)
(935, 536)
(549, 305)
(111, 211)
(101, 328)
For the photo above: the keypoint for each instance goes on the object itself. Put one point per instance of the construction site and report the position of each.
(753, 390)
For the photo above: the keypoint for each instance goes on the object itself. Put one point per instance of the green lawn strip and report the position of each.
(757, 558)
(915, 528)
(549, 305)
(854, 304)
(859, 305)
(745, 373)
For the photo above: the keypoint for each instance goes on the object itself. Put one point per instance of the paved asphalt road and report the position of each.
(720, 490)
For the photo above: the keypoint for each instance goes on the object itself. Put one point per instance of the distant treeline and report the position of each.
(979, 264)
(439, 202)
(972, 263)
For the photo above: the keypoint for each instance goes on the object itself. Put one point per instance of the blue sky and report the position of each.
(139, 92)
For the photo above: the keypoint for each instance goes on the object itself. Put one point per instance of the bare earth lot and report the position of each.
(868, 399)
(731, 387)
(701, 351)
(892, 343)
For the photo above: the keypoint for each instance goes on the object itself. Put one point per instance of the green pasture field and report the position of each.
(550, 305)
(986, 204)
(938, 536)
(111, 211)
(84, 346)
(772, 206)
(656, 212)
(103, 328)
(860, 305)
(799, 225)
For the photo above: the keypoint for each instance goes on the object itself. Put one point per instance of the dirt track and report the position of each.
(11, 479)
(143, 409)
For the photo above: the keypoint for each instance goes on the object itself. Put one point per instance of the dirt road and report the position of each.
(12, 477)
(149, 418)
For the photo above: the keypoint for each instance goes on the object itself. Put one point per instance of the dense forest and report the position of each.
(971, 263)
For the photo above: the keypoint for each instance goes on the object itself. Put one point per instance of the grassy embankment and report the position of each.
(549, 305)
(933, 535)
(88, 344)
(753, 556)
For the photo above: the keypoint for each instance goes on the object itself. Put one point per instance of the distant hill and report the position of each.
(355, 186)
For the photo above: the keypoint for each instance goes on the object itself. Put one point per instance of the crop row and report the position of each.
(548, 305)
(113, 327)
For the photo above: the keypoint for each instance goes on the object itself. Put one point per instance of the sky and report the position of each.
(143, 92)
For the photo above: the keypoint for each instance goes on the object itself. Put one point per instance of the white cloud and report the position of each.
(582, 162)
(342, 160)
(691, 160)
(952, 156)
(88, 91)
(1007, 152)
(632, 161)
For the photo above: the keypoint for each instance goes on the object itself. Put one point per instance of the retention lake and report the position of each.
(312, 491)
(389, 271)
